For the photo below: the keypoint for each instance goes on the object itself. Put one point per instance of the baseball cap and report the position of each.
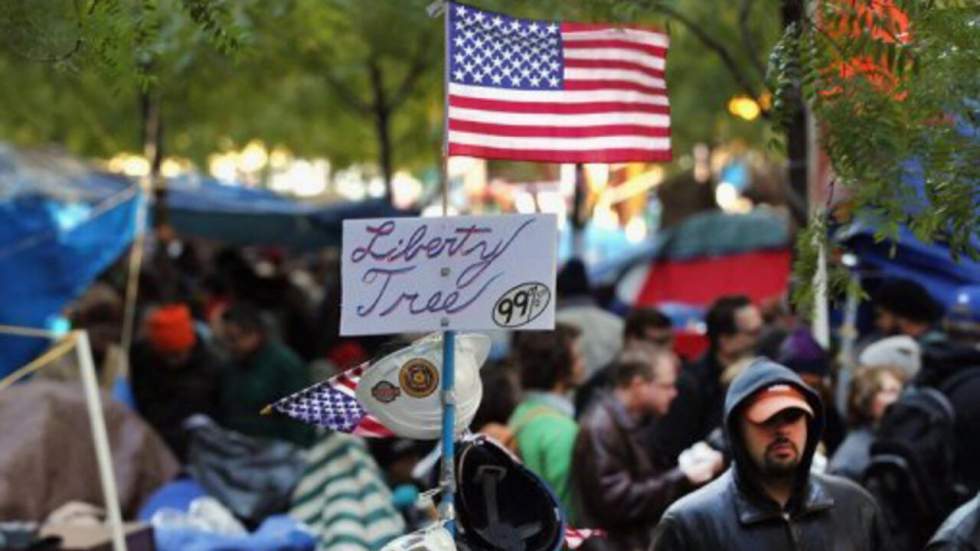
(774, 399)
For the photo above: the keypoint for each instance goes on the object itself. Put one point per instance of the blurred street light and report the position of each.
(744, 107)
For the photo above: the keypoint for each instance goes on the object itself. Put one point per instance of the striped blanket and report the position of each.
(342, 496)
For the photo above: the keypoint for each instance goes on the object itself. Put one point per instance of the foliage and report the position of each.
(913, 115)
(295, 73)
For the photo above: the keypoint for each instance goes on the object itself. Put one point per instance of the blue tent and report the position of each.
(61, 224)
(930, 264)
(203, 207)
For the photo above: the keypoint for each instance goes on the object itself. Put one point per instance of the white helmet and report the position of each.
(402, 388)
(434, 538)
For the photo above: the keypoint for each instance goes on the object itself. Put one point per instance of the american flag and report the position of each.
(532, 90)
(333, 404)
(575, 537)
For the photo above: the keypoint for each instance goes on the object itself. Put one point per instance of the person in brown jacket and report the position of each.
(618, 486)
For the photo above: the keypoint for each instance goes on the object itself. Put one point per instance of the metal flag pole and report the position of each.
(447, 478)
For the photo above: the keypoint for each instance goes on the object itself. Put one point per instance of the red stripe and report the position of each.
(613, 85)
(571, 27)
(558, 131)
(613, 64)
(369, 426)
(555, 108)
(655, 51)
(552, 156)
(347, 382)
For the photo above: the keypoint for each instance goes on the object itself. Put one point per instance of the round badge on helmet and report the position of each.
(418, 378)
(385, 392)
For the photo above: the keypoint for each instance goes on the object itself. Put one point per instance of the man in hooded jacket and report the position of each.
(768, 498)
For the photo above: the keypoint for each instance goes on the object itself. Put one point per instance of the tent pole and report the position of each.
(132, 280)
(101, 440)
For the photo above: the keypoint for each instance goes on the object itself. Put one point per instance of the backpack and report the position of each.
(912, 470)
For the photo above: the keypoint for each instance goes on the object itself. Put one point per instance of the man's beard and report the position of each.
(780, 468)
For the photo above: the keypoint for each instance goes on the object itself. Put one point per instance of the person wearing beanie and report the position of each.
(901, 351)
(804, 356)
(173, 374)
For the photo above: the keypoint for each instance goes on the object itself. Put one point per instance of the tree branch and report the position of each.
(711, 43)
(345, 93)
(419, 64)
(751, 49)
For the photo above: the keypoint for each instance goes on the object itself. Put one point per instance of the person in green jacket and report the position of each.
(261, 371)
(544, 427)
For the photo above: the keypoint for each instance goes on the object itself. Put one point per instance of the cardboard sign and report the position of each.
(452, 273)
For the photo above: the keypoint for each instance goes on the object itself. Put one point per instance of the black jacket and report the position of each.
(694, 413)
(733, 513)
(167, 395)
(618, 486)
(961, 531)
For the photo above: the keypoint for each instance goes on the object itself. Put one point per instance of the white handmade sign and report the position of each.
(450, 273)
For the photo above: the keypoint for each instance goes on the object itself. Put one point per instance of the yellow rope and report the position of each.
(41, 361)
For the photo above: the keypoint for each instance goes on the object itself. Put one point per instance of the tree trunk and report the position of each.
(796, 134)
(152, 139)
(579, 215)
(382, 124)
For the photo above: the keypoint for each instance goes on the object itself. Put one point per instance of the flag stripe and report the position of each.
(553, 156)
(547, 119)
(621, 28)
(372, 428)
(614, 75)
(556, 108)
(560, 132)
(555, 96)
(562, 144)
(578, 42)
(641, 58)
(613, 64)
(612, 85)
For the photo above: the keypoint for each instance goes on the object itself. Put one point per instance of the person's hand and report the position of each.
(700, 463)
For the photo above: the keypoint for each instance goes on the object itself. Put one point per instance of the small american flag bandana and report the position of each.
(333, 404)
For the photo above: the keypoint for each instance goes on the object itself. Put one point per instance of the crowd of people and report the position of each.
(766, 441)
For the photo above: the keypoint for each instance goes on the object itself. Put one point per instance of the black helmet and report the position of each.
(501, 504)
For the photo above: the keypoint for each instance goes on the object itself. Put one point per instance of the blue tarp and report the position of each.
(929, 264)
(61, 224)
(237, 215)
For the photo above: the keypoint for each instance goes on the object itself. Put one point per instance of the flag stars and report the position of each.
(552, 28)
(461, 10)
(533, 27)
(496, 78)
(553, 81)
